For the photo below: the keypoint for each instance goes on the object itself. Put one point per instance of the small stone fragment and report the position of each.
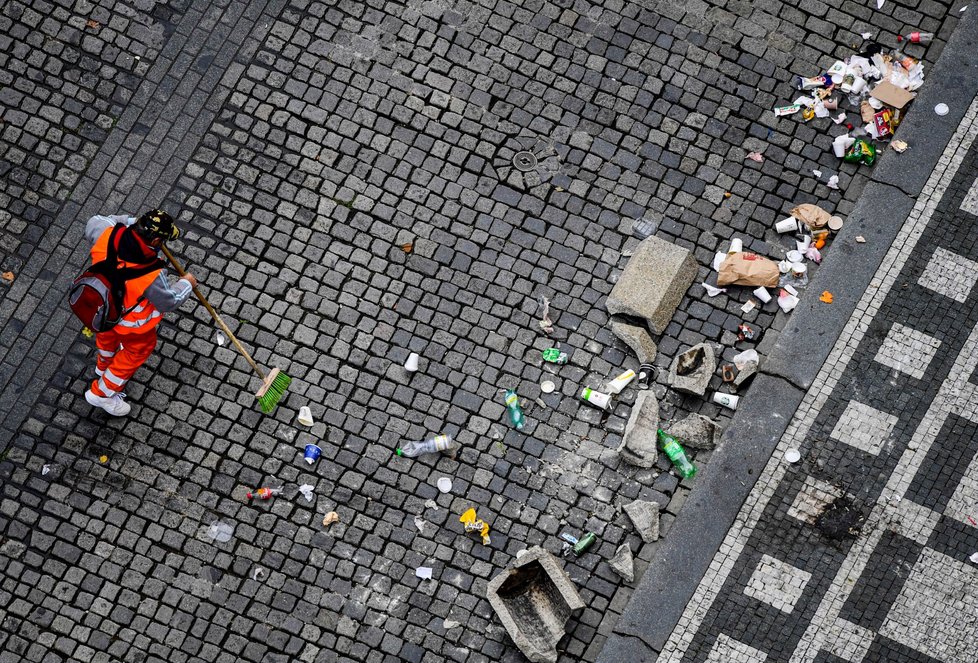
(638, 445)
(691, 371)
(331, 517)
(623, 563)
(636, 337)
(645, 518)
(697, 432)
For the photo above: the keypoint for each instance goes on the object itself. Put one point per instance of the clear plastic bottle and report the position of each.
(917, 38)
(515, 412)
(437, 444)
(677, 454)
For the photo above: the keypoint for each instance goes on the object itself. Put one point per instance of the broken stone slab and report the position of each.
(534, 599)
(623, 563)
(638, 445)
(691, 370)
(746, 373)
(645, 517)
(697, 432)
(636, 337)
(653, 283)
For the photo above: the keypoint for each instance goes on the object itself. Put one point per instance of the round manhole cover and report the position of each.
(525, 160)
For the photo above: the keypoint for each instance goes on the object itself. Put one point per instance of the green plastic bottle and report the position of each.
(676, 454)
(515, 412)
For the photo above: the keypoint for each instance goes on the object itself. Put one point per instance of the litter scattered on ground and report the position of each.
(312, 453)
(712, 290)
(942, 109)
(899, 146)
(674, 450)
(860, 239)
(330, 518)
(220, 531)
(103, 459)
(546, 324)
(472, 524)
(623, 563)
(258, 574)
(423, 572)
(419, 522)
(436, 444)
(833, 182)
(87, 333)
(264, 493)
(726, 400)
(220, 338)
(826, 297)
(974, 558)
(45, 469)
(621, 381)
(534, 599)
(7, 277)
(788, 298)
(569, 538)
(445, 485)
(516, 416)
(792, 455)
(306, 491)
(547, 386)
(595, 398)
(431, 504)
(407, 247)
(584, 543)
(748, 269)
(756, 156)
(449, 624)
(554, 356)
(412, 362)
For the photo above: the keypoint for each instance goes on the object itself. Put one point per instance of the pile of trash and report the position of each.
(875, 84)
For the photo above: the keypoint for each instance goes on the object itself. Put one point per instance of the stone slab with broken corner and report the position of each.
(635, 336)
(691, 370)
(697, 432)
(623, 563)
(645, 517)
(533, 599)
(638, 445)
(653, 283)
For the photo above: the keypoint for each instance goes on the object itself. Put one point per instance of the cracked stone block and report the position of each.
(653, 282)
(697, 432)
(534, 599)
(637, 337)
(746, 373)
(623, 563)
(645, 517)
(691, 371)
(638, 446)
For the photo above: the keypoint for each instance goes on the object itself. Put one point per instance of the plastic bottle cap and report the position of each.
(792, 455)
(399, 452)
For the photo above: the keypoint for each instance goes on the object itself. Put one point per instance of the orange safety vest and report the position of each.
(144, 316)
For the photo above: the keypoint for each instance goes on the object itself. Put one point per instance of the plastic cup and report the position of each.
(411, 365)
(726, 400)
(305, 416)
(312, 453)
(803, 244)
(762, 294)
(799, 270)
(736, 246)
(794, 256)
(789, 225)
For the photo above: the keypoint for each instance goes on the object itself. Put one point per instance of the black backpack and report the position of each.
(97, 296)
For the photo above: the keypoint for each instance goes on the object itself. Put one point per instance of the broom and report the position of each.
(274, 384)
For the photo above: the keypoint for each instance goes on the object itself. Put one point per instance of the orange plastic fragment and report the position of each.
(826, 297)
(819, 243)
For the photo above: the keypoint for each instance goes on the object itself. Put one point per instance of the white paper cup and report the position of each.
(726, 400)
(411, 365)
(841, 144)
(736, 246)
(858, 85)
(784, 266)
(803, 244)
(788, 225)
(794, 256)
(762, 294)
(305, 416)
(799, 270)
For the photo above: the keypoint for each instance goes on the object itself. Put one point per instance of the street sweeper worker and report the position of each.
(122, 349)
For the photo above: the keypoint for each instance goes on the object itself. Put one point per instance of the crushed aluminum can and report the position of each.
(746, 333)
(569, 538)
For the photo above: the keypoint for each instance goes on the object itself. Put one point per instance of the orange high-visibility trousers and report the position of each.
(119, 357)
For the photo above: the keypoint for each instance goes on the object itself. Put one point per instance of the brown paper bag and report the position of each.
(748, 269)
(812, 216)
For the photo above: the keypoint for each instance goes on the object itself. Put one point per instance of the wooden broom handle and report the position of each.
(217, 318)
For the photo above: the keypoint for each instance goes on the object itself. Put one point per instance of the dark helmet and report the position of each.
(157, 224)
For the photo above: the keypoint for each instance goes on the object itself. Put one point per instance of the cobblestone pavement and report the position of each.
(862, 551)
(303, 144)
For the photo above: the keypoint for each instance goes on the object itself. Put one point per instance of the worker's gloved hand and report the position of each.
(190, 277)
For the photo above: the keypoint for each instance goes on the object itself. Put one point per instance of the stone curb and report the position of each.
(788, 372)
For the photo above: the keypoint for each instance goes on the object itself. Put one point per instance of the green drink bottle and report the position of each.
(676, 454)
(515, 412)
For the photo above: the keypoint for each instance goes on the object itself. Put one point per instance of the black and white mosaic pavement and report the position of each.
(862, 550)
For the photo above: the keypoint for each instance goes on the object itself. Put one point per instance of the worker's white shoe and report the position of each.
(114, 405)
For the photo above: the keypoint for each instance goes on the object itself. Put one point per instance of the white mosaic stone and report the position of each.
(970, 202)
(907, 350)
(950, 274)
(812, 499)
(937, 603)
(964, 502)
(864, 427)
(728, 650)
(777, 583)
